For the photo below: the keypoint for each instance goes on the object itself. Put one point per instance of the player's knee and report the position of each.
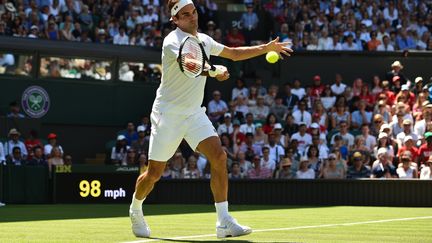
(220, 158)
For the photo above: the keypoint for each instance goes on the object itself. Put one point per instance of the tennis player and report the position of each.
(177, 114)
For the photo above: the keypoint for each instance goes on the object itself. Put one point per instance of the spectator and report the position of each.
(426, 171)
(303, 138)
(382, 168)
(406, 170)
(191, 170)
(38, 157)
(14, 141)
(257, 172)
(338, 88)
(131, 158)
(284, 171)
(298, 90)
(302, 115)
(130, 134)
(118, 152)
(141, 145)
(327, 98)
(361, 116)
(67, 159)
(216, 107)
(385, 45)
(425, 150)
(279, 109)
(317, 88)
(235, 172)
(313, 157)
(260, 111)
(396, 71)
(143, 163)
(348, 139)
(331, 171)
(52, 142)
(267, 161)
(304, 172)
(248, 127)
(289, 99)
(384, 142)
(239, 89)
(340, 115)
(15, 158)
(373, 43)
(249, 21)
(121, 38)
(260, 137)
(177, 165)
(31, 142)
(2, 155)
(407, 124)
(227, 126)
(55, 158)
(14, 111)
(358, 169)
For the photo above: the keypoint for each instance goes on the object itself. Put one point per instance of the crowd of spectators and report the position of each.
(310, 25)
(377, 128)
(21, 150)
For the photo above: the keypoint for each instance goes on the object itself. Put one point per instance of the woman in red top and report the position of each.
(367, 96)
(32, 142)
(270, 122)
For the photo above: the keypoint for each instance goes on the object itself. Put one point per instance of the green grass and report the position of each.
(109, 223)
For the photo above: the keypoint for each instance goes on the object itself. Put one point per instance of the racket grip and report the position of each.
(217, 71)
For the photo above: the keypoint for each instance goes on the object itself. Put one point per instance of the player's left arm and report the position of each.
(247, 52)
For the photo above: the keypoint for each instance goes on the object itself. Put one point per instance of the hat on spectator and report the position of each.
(14, 131)
(34, 27)
(257, 125)
(385, 83)
(397, 64)
(404, 87)
(382, 135)
(101, 32)
(317, 78)
(357, 155)
(382, 151)
(304, 158)
(396, 78)
(381, 103)
(314, 125)
(141, 128)
(286, 162)
(120, 137)
(277, 126)
(429, 105)
(407, 138)
(384, 126)
(428, 135)
(418, 79)
(426, 87)
(227, 115)
(10, 7)
(52, 136)
(211, 23)
(425, 103)
(332, 156)
(406, 122)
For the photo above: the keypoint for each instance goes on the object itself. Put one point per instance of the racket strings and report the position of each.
(191, 58)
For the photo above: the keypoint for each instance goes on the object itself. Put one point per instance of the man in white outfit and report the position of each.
(177, 114)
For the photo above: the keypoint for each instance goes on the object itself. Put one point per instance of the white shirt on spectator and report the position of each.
(337, 90)
(147, 2)
(307, 118)
(223, 128)
(48, 148)
(325, 43)
(245, 128)
(333, 47)
(400, 137)
(309, 174)
(352, 47)
(236, 92)
(300, 92)
(269, 164)
(388, 15)
(9, 145)
(2, 154)
(370, 142)
(215, 106)
(121, 40)
(420, 128)
(382, 47)
(275, 152)
(347, 138)
(303, 141)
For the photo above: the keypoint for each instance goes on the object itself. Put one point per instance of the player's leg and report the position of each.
(202, 136)
(143, 187)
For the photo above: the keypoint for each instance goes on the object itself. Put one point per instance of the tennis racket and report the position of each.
(193, 60)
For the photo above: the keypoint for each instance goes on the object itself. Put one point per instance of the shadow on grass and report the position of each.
(16, 213)
(207, 241)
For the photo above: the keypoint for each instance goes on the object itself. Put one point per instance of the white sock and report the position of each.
(222, 210)
(136, 204)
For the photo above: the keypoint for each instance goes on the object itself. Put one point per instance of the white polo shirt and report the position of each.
(177, 93)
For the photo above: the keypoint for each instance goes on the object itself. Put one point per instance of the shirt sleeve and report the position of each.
(215, 48)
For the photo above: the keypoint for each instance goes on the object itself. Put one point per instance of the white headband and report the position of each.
(179, 6)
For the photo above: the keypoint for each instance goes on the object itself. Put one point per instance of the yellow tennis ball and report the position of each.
(272, 57)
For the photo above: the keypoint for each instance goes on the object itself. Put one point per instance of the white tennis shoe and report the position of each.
(230, 228)
(139, 225)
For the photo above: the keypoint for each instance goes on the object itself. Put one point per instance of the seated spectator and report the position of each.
(52, 142)
(227, 126)
(302, 115)
(408, 145)
(270, 97)
(340, 146)
(361, 116)
(38, 157)
(266, 160)
(407, 170)
(141, 145)
(216, 107)
(347, 138)
(235, 171)
(13, 142)
(304, 172)
(289, 99)
(260, 111)
(130, 134)
(290, 127)
(369, 140)
(253, 96)
(167, 173)
(426, 171)
(407, 124)
(119, 151)
(55, 158)
(331, 171)
(67, 159)
(358, 169)
(191, 170)
(14, 111)
(177, 164)
(278, 108)
(277, 151)
(315, 162)
(31, 142)
(131, 158)
(382, 167)
(284, 171)
(425, 150)
(340, 115)
(280, 138)
(260, 137)
(15, 158)
(257, 172)
(228, 147)
(384, 142)
(248, 127)
(304, 139)
(239, 89)
(270, 122)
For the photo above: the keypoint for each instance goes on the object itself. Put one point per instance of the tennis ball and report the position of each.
(272, 57)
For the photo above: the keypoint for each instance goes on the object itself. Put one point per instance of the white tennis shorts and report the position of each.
(168, 130)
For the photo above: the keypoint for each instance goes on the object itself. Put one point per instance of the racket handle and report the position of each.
(218, 69)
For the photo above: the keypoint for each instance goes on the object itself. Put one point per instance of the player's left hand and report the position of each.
(279, 47)
(225, 75)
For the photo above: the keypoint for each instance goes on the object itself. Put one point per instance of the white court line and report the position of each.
(287, 229)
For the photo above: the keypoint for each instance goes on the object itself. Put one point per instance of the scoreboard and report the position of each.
(94, 184)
